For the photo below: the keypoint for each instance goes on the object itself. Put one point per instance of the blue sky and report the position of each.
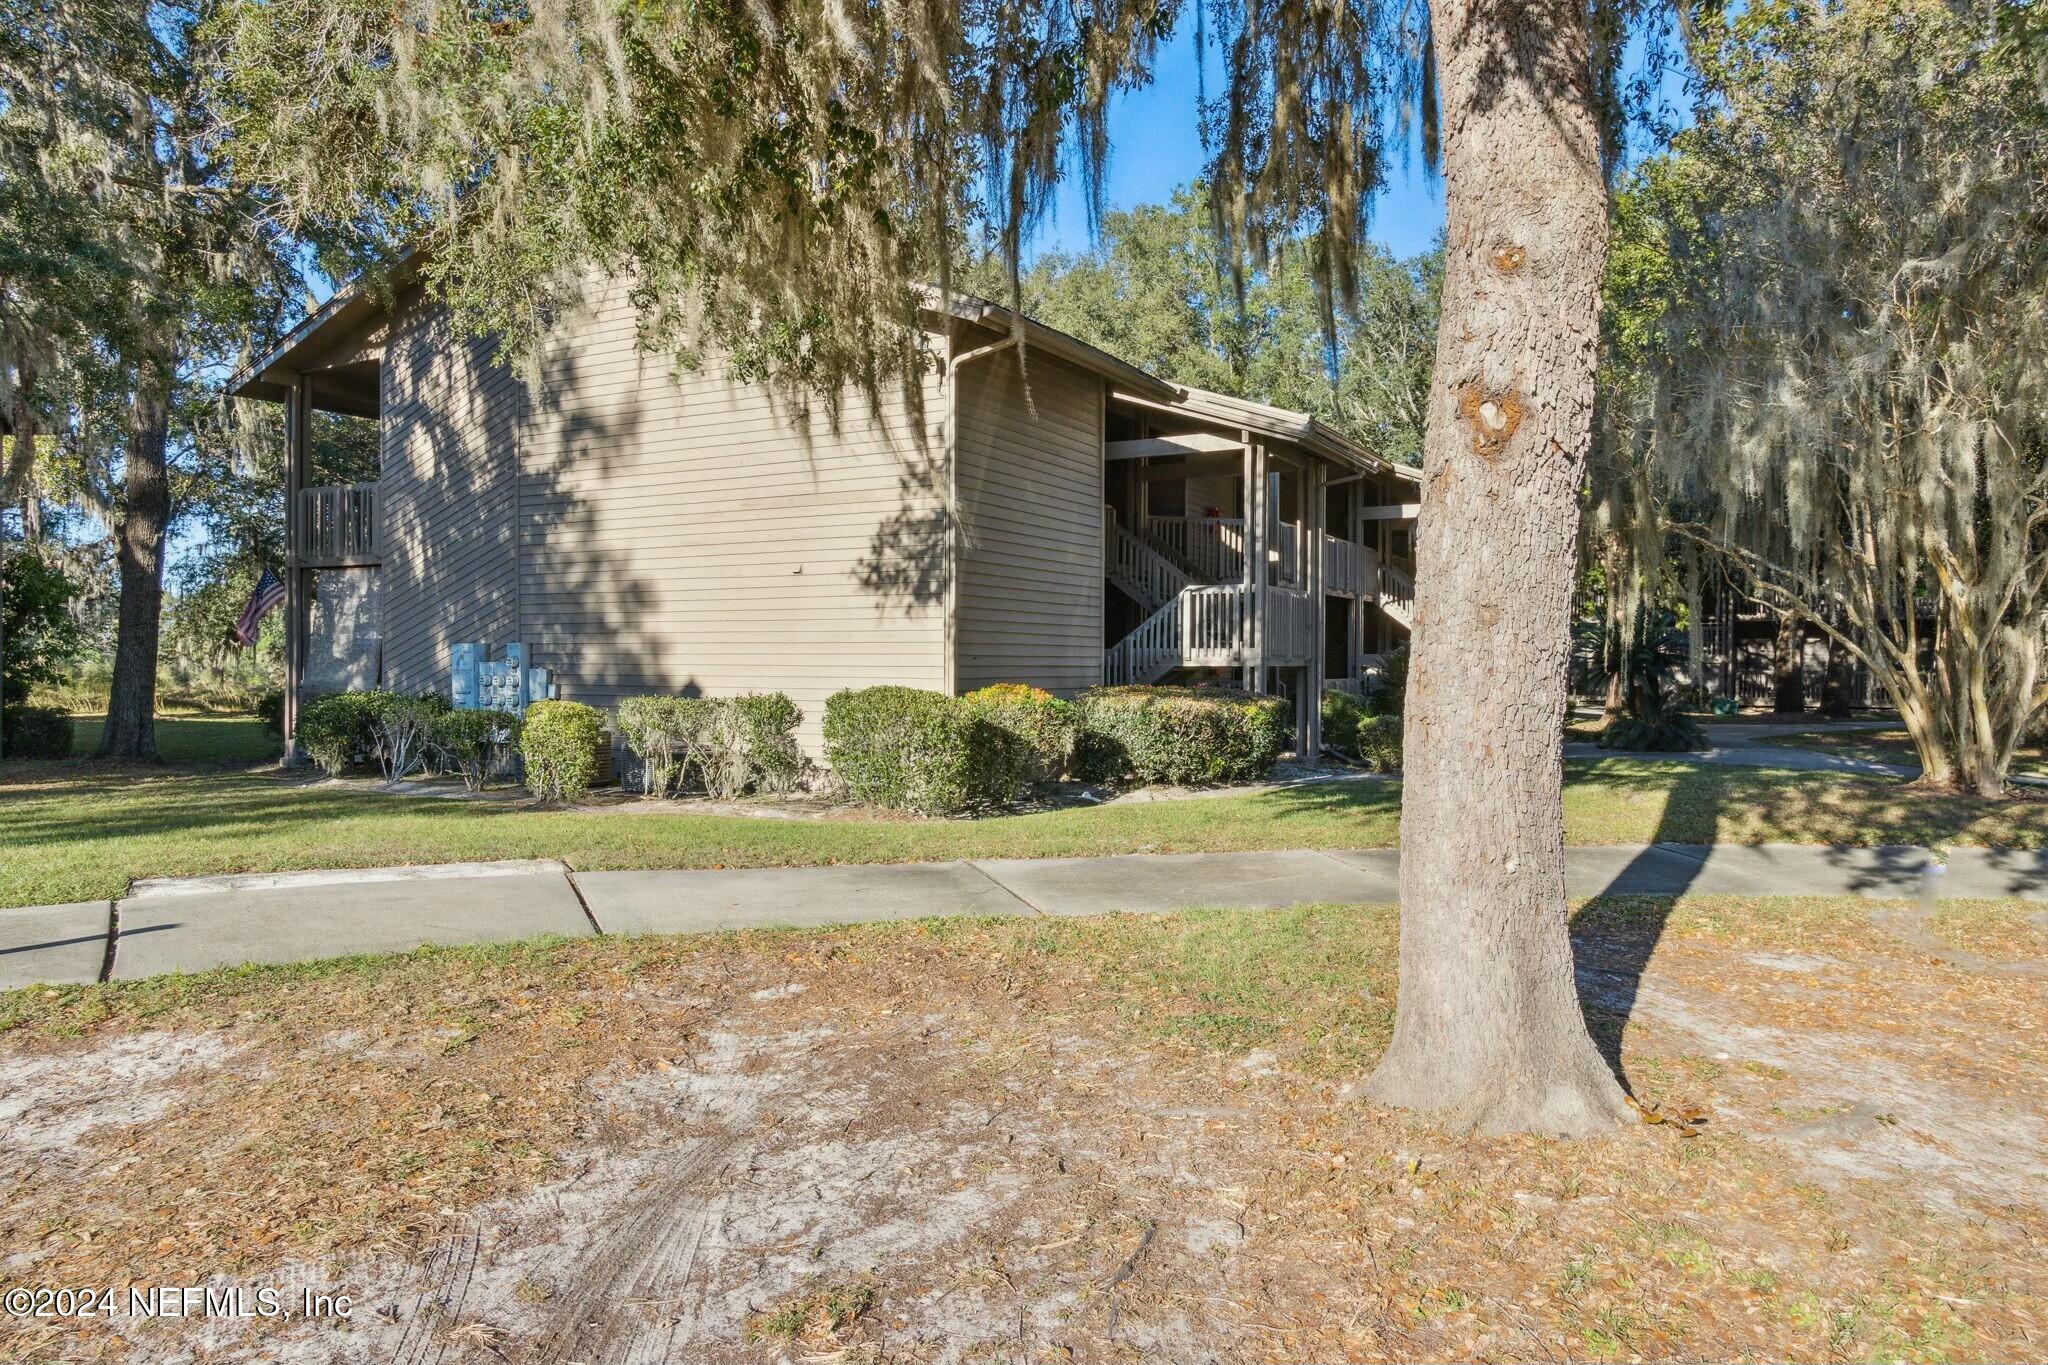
(1155, 149)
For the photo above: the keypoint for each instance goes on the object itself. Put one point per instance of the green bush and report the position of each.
(338, 732)
(270, 710)
(729, 745)
(766, 724)
(469, 743)
(402, 728)
(39, 634)
(662, 731)
(1179, 735)
(1045, 725)
(1672, 733)
(1379, 743)
(919, 751)
(1343, 714)
(1386, 692)
(36, 732)
(558, 744)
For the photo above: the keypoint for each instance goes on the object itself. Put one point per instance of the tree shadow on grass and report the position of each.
(1872, 847)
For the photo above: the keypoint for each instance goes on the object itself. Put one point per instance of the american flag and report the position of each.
(269, 593)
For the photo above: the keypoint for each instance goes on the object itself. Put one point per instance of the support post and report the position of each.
(297, 423)
(1257, 513)
(1245, 502)
(1354, 638)
(1317, 491)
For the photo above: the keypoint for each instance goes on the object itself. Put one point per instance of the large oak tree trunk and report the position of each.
(1614, 638)
(1788, 666)
(1489, 1034)
(139, 544)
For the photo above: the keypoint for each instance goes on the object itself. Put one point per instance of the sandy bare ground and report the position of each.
(1132, 1140)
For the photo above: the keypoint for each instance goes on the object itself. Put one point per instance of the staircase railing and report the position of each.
(1147, 652)
(1210, 548)
(1148, 575)
(1204, 626)
(1397, 593)
(1216, 626)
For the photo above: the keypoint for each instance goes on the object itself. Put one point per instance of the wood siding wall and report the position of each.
(683, 534)
(648, 532)
(449, 485)
(1030, 491)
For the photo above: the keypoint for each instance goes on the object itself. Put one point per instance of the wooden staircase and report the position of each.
(1143, 574)
(1191, 623)
(1397, 595)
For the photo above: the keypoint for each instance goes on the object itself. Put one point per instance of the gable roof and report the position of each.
(354, 305)
(268, 376)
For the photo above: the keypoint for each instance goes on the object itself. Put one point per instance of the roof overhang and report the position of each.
(351, 307)
(1121, 375)
(1281, 424)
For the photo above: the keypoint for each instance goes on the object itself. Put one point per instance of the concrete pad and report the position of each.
(53, 944)
(390, 910)
(1996, 873)
(1180, 881)
(695, 902)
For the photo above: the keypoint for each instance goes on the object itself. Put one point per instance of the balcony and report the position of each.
(339, 525)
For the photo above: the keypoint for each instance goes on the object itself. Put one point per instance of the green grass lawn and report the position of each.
(1891, 746)
(191, 739)
(82, 830)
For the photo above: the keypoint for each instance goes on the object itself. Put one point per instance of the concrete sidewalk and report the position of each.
(200, 923)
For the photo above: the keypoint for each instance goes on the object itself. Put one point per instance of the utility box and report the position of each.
(476, 682)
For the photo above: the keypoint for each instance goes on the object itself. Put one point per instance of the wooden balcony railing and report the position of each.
(1347, 567)
(339, 522)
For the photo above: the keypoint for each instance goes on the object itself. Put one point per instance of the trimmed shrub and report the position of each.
(766, 723)
(270, 710)
(36, 732)
(1046, 726)
(559, 743)
(662, 731)
(730, 745)
(1343, 714)
(338, 732)
(1179, 735)
(1379, 743)
(919, 751)
(468, 743)
(402, 728)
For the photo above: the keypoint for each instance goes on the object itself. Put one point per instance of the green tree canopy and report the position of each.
(1156, 289)
(1850, 387)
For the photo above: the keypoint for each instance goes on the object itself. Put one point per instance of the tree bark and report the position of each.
(15, 473)
(1695, 631)
(1614, 639)
(1488, 1034)
(1788, 666)
(1836, 703)
(130, 731)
